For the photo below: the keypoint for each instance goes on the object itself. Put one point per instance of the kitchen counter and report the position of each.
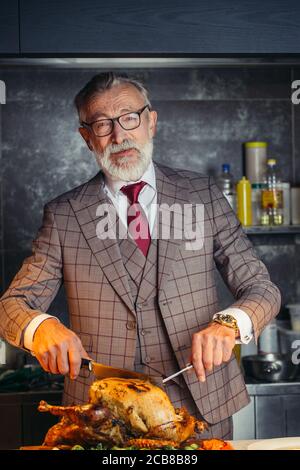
(244, 443)
(273, 388)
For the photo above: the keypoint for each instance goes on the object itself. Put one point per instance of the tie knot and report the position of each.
(132, 191)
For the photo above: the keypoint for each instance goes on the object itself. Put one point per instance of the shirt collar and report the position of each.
(115, 185)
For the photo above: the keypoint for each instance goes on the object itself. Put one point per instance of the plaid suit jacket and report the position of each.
(101, 310)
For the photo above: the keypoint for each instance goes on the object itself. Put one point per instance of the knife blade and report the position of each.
(188, 367)
(102, 371)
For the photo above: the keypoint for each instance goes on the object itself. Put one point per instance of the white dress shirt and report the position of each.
(148, 201)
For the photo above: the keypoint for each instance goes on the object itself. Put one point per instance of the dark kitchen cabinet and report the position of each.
(156, 27)
(269, 416)
(34, 423)
(10, 423)
(277, 416)
(292, 415)
(9, 27)
(21, 423)
(274, 411)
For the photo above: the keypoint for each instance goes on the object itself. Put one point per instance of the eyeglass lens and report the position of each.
(127, 121)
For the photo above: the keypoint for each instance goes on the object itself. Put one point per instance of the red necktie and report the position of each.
(136, 219)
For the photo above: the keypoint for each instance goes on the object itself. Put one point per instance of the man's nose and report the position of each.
(118, 134)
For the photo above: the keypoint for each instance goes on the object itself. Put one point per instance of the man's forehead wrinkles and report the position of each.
(99, 108)
(111, 101)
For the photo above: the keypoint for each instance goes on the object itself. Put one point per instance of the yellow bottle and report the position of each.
(243, 195)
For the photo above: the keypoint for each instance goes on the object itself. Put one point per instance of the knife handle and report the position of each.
(86, 363)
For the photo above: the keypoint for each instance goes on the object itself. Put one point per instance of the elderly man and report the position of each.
(147, 302)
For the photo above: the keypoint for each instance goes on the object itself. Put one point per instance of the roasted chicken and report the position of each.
(122, 412)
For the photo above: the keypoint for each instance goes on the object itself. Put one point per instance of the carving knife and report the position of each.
(102, 371)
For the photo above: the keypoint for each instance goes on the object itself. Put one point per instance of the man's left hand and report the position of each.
(211, 347)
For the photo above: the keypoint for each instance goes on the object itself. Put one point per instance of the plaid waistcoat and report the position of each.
(154, 355)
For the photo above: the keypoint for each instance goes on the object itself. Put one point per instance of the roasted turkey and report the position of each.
(122, 412)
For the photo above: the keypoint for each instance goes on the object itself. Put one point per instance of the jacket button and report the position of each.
(143, 332)
(148, 359)
(130, 325)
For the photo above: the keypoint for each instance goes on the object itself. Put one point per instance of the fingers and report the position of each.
(208, 352)
(69, 357)
(51, 361)
(197, 357)
(43, 360)
(58, 349)
(84, 353)
(52, 355)
(227, 349)
(74, 362)
(211, 348)
(63, 360)
(218, 353)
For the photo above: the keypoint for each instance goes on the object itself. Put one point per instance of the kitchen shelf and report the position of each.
(280, 230)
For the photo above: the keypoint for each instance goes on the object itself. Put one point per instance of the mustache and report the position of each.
(127, 144)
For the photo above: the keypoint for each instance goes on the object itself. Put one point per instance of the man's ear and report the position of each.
(153, 122)
(85, 135)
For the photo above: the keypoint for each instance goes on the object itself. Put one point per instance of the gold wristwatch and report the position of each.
(227, 320)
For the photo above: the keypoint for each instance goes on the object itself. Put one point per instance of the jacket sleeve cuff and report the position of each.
(32, 327)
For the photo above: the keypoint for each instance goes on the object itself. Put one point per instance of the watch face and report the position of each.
(227, 318)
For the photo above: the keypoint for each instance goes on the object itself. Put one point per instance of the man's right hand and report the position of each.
(58, 349)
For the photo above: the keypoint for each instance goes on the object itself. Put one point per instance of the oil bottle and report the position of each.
(244, 209)
(272, 196)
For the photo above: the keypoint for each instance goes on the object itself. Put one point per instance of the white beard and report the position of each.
(125, 170)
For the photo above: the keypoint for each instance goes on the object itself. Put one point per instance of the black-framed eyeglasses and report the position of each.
(127, 121)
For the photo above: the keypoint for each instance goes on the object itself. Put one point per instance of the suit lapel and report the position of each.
(88, 209)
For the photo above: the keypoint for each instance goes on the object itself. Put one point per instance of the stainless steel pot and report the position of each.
(270, 367)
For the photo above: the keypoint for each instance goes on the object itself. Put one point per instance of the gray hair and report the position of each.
(102, 82)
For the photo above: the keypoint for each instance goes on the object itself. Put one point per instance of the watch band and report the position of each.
(227, 320)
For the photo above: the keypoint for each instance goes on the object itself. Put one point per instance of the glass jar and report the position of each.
(255, 161)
